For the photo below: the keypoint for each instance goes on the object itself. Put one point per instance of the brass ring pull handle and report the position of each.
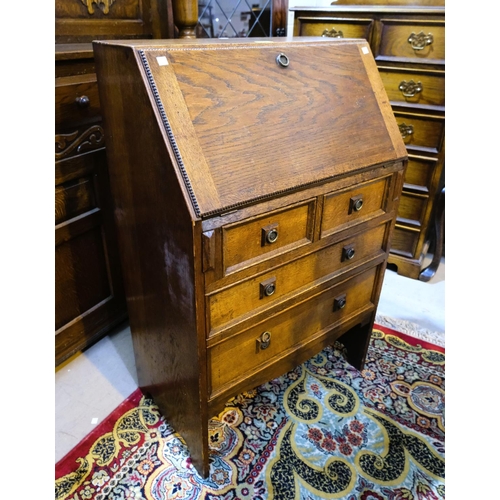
(356, 203)
(348, 252)
(269, 234)
(264, 340)
(339, 302)
(282, 60)
(410, 89)
(268, 287)
(272, 236)
(333, 33)
(83, 101)
(420, 41)
(406, 130)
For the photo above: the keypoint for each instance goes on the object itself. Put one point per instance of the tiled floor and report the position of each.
(93, 383)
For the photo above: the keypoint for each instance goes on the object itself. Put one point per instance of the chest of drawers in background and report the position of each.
(251, 232)
(408, 44)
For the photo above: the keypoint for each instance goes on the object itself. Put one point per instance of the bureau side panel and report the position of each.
(156, 235)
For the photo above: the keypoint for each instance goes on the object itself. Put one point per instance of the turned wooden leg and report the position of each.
(431, 269)
(186, 17)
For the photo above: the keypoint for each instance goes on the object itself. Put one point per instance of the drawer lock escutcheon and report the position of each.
(348, 252)
(282, 60)
(356, 203)
(410, 89)
(268, 287)
(339, 302)
(270, 234)
(420, 41)
(264, 340)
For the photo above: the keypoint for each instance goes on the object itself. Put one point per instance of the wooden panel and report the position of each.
(349, 28)
(242, 353)
(341, 208)
(413, 86)
(420, 172)
(249, 242)
(395, 43)
(226, 306)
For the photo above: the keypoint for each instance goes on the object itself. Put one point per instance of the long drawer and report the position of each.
(235, 358)
(265, 290)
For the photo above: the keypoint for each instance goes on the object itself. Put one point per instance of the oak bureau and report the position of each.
(255, 188)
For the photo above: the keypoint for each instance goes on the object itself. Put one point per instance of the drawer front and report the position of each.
(412, 207)
(404, 241)
(416, 40)
(246, 243)
(76, 101)
(335, 27)
(266, 290)
(242, 354)
(414, 87)
(421, 132)
(74, 198)
(420, 171)
(354, 206)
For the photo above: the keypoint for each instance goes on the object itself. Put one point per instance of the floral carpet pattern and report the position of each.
(323, 430)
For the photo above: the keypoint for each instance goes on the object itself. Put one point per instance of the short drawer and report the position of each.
(414, 40)
(416, 87)
(251, 241)
(353, 206)
(419, 172)
(334, 27)
(74, 198)
(412, 207)
(76, 100)
(404, 241)
(264, 291)
(421, 132)
(245, 353)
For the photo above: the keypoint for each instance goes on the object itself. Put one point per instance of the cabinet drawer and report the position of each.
(73, 198)
(426, 88)
(412, 207)
(354, 206)
(421, 132)
(416, 40)
(243, 354)
(404, 241)
(264, 291)
(335, 27)
(251, 241)
(76, 100)
(419, 172)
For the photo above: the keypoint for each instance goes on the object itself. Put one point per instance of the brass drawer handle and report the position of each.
(264, 340)
(348, 252)
(269, 234)
(406, 130)
(356, 203)
(420, 41)
(83, 101)
(282, 60)
(339, 302)
(268, 287)
(333, 33)
(410, 89)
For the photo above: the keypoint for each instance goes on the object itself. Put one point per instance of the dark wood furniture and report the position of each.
(408, 42)
(256, 185)
(89, 297)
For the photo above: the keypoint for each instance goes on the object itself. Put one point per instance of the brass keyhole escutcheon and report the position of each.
(282, 60)
(264, 340)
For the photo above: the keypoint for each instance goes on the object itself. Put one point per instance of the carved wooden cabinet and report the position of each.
(408, 42)
(255, 185)
(89, 297)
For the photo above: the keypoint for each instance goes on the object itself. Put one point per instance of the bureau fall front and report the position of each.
(255, 187)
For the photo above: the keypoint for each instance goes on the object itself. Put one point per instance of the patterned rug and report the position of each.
(323, 430)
